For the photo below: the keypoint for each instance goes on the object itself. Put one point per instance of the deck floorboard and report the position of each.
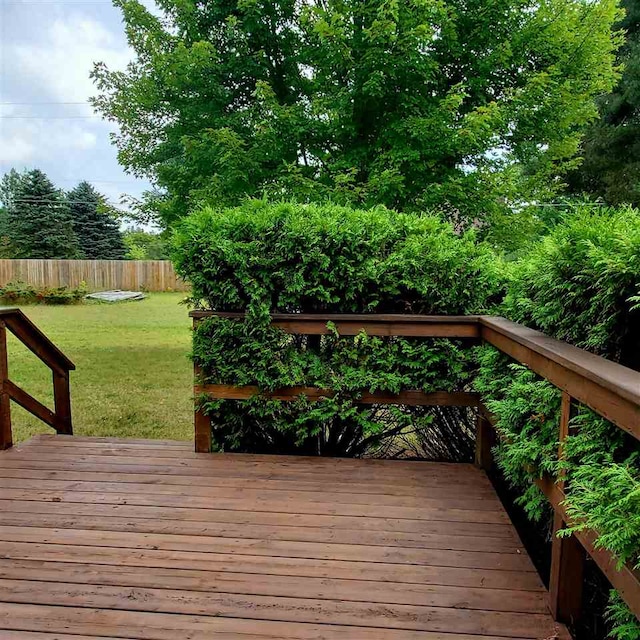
(135, 539)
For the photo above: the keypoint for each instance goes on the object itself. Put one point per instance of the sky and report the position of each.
(47, 50)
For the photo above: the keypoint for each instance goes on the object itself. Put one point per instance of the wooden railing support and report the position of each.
(566, 578)
(62, 403)
(485, 440)
(202, 423)
(24, 330)
(567, 554)
(6, 438)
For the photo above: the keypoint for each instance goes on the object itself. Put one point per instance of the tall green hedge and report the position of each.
(264, 258)
(581, 285)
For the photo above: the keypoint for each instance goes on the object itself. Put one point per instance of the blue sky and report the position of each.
(47, 50)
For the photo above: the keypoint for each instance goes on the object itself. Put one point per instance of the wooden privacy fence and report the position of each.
(609, 389)
(98, 275)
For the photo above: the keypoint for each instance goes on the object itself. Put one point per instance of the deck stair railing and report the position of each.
(609, 389)
(14, 321)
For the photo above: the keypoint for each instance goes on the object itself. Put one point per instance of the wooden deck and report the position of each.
(145, 539)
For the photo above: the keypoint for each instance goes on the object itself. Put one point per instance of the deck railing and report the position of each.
(14, 321)
(609, 389)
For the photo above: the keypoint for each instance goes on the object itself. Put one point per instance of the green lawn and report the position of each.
(133, 377)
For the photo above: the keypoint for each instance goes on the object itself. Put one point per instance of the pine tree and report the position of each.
(98, 234)
(38, 220)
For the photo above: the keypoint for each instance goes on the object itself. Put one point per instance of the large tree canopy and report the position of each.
(611, 147)
(464, 105)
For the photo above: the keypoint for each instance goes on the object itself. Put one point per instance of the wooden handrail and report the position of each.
(610, 389)
(373, 324)
(16, 322)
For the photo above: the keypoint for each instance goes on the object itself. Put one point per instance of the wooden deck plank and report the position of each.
(436, 485)
(266, 547)
(254, 473)
(129, 455)
(43, 635)
(508, 600)
(282, 566)
(281, 609)
(148, 540)
(461, 511)
(436, 496)
(266, 518)
(164, 626)
(261, 532)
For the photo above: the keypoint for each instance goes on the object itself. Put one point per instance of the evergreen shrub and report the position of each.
(581, 284)
(265, 258)
(23, 293)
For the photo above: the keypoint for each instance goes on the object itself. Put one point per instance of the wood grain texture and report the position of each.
(139, 540)
(410, 397)
(98, 275)
(25, 331)
(608, 388)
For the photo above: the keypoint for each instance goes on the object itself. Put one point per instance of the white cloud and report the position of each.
(62, 62)
(36, 140)
(15, 150)
(46, 56)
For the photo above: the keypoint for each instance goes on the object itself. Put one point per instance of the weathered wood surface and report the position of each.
(136, 539)
(98, 275)
(608, 388)
(21, 327)
(410, 397)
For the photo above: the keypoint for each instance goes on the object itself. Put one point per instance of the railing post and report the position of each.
(201, 422)
(485, 439)
(62, 402)
(567, 554)
(6, 439)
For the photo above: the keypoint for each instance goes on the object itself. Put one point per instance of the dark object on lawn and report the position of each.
(116, 296)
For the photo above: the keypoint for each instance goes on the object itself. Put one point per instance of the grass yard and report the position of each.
(133, 377)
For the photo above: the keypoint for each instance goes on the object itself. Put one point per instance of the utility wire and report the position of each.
(38, 103)
(48, 117)
(61, 201)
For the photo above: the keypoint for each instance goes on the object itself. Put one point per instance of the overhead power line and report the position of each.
(48, 117)
(61, 201)
(37, 103)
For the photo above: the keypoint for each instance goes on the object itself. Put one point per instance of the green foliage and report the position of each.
(611, 147)
(625, 625)
(143, 245)
(39, 223)
(22, 293)
(309, 258)
(98, 233)
(263, 258)
(527, 409)
(467, 106)
(580, 284)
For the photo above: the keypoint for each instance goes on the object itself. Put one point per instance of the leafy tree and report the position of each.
(143, 245)
(463, 105)
(611, 148)
(38, 220)
(98, 232)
